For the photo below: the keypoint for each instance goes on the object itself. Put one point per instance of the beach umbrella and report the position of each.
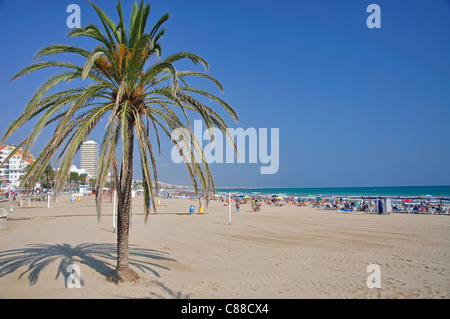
(278, 198)
(408, 200)
(246, 196)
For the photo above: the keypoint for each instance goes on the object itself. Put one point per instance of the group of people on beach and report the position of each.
(425, 206)
(256, 205)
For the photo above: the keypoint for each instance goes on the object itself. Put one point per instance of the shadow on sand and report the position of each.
(99, 257)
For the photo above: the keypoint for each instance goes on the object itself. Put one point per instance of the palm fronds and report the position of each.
(126, 82)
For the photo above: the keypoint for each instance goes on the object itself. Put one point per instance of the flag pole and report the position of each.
(114, 211)
(229, 209)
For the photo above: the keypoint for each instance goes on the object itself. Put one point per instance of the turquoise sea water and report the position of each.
(443, 191)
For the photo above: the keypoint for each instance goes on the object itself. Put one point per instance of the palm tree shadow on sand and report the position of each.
(99, 257)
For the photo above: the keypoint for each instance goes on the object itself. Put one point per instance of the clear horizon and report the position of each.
(397, 186)
(354, 105)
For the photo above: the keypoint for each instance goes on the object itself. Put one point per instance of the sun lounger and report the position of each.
(346, 210)
(396, 209)
(439, 210)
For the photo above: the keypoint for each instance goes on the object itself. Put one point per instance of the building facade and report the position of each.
(89, 157)
(12, 170)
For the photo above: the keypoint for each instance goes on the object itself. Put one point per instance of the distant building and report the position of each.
(89, 157)
(77, 170)
(15, 167)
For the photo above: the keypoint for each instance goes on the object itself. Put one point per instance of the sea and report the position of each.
(391, 191)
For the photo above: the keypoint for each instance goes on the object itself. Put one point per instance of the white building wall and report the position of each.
(14, 168)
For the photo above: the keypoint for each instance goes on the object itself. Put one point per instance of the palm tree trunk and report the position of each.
(123, 272)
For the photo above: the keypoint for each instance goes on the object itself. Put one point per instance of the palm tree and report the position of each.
(91, 182)
(83, 179)
(126, 81)
(74, 181)
(47, 178)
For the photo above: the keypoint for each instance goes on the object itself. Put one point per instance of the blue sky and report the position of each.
(354, 106)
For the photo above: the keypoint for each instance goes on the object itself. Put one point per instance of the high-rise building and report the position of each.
(89, 157)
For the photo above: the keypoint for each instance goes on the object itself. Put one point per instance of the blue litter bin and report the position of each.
(380, 207)
(191, 209)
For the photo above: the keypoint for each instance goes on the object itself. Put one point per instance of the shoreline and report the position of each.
(388, 191)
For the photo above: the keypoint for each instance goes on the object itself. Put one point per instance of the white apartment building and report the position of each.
(14, 168)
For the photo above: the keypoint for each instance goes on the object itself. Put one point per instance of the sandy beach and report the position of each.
(280, 252)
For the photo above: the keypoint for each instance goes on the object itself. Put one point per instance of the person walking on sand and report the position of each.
(257, 205)
(238, 207)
